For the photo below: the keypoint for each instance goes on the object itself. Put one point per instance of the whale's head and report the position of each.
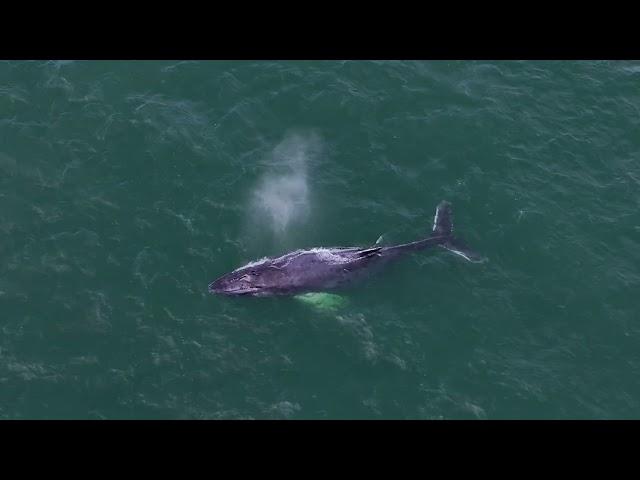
(253, 279)
(233, 284)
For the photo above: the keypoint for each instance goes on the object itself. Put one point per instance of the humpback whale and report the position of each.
(325, 269)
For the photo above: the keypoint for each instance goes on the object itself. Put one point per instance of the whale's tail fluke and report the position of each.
(443, 227)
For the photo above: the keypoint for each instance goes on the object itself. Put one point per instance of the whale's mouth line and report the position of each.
(235, 291)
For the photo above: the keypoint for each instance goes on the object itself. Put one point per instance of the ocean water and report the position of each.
(126, 187)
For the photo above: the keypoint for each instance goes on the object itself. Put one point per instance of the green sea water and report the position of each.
(126, 187)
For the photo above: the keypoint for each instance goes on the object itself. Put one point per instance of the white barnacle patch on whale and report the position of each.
(326, 255)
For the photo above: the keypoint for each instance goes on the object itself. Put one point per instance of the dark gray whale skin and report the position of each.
(325, 269)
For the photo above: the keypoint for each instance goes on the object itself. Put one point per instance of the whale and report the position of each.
(328, 269)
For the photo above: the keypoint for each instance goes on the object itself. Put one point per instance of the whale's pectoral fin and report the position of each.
(322, 301)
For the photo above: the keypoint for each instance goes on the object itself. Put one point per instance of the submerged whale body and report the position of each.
(324, 269)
